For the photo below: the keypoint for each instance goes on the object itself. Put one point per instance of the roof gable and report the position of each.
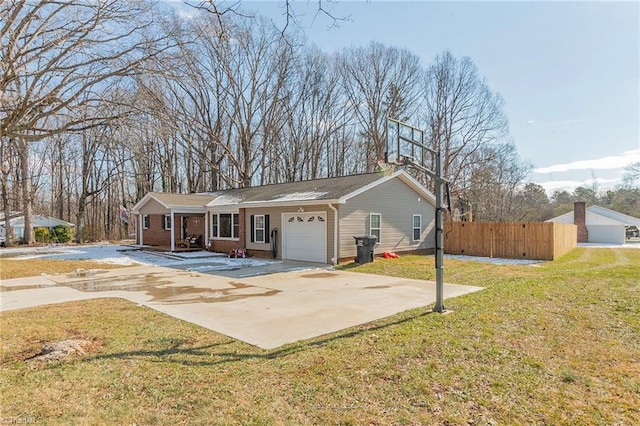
(173, 201)
(399, 174)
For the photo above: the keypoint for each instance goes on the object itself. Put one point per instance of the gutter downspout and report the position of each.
(334, 259)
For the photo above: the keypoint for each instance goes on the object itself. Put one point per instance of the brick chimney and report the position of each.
(580, 219)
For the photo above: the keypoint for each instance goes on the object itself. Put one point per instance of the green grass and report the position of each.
(557, 343)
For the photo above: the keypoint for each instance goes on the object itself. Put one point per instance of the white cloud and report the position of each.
(571, 185)
(604, 163)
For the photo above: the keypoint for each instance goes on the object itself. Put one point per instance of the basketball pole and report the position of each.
(439, 306)
(439, 187)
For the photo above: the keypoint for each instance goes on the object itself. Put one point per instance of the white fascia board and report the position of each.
(187, 209)
(224, 209)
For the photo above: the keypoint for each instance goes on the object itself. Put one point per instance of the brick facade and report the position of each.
(156, 235)
(225, 246)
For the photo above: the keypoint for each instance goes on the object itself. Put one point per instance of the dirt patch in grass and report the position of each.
(13, 268)
(64, 350)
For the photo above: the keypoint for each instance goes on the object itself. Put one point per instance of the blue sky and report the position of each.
(568, 71)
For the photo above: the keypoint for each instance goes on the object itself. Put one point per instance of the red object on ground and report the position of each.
(390, 255)
(238, 253)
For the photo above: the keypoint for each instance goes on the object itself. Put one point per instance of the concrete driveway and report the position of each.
(263, 310)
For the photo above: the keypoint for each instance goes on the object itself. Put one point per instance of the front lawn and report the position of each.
(556, 343)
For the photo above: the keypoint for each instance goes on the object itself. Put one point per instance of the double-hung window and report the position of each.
(145, 221)
(375, 225)
(167, 222)
(417, 227)
(225, 225)
(259, 228)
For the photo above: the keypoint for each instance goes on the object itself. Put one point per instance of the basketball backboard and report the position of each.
(404, 141)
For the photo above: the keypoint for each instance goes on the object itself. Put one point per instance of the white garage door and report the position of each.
(607, 234)
(305, 237)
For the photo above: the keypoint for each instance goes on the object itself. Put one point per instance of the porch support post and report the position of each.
(141, 228)
(205, 238)
(173, 234)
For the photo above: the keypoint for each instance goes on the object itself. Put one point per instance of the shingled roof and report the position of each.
(326, 190)
(310, 190)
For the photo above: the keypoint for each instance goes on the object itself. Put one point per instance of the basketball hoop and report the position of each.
(406, 146)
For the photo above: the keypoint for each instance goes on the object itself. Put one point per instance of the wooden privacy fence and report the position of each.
(510, 240)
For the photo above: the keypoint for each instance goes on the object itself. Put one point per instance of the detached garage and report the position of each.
(598, 224)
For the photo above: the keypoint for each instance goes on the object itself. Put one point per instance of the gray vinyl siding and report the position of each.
(153, 207)
(397, 203)
(275, 221)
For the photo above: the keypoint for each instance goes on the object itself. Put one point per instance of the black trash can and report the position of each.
(364, 246)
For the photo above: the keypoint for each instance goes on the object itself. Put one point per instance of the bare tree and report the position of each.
(219, 9)
(491, 182)
(54, 54)
(7, 164)
(633, 170)
(463, 114)
(379, 81)
(254, 62)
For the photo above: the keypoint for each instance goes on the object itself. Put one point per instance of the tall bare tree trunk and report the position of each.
(4, 187)
(27, 200)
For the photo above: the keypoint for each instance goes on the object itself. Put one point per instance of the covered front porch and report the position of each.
(175, 231)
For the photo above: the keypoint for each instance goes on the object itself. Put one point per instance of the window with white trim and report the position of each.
(167, 222)
(375, 225)
(145, 221)
(214, 226)
(417, 227)
(225, 225)
(258, 228)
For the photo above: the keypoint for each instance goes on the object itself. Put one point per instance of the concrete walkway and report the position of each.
(266, 310)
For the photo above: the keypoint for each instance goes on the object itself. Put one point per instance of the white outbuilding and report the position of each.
(603, 225)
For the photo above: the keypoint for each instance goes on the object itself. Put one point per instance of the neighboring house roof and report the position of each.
(614, 215)
(317, 191)
(12, 214)
(38, 221)
(596, 215)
